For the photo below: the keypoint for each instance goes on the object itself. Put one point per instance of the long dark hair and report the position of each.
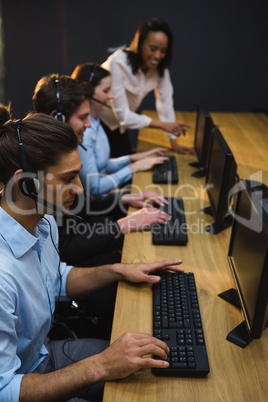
(90, 72)
(135, 52)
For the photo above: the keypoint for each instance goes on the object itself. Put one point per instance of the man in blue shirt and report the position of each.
(38, 181)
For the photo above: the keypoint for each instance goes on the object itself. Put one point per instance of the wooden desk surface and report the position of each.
(245, 133)
(235, 374)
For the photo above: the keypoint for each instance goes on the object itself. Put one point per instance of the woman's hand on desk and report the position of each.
(138, 200)
(142, 219)
(147, 154)
(128, 354)
(174, 128)
(145, 272)
(147, 163)
(181, 150)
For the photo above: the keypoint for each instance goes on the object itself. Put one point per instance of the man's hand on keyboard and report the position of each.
(145, 272)
(142, 220)
(128, 354)
(140, 200)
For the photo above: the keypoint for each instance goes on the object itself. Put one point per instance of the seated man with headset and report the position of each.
(38, 181)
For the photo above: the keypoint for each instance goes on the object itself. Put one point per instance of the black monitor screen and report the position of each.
(248, 260)
(203, 134)
(199, 133)
(221, 176)
(248, 253)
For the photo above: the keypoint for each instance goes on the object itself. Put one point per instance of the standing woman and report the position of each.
(100, 173)
(138, 70)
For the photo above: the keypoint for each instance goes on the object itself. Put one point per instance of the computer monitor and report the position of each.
(248, 260)
(202, 141)
(220, 178)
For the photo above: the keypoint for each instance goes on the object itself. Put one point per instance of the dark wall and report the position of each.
(220, 54)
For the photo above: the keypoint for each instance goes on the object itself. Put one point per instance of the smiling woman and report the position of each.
(154, 50)
(136, 71)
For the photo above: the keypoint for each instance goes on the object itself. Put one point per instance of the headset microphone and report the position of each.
(101, 103)
(82, 146)
(34, 196)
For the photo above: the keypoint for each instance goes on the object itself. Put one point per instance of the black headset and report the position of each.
(27, 185)
(59, 115)
(30, 186)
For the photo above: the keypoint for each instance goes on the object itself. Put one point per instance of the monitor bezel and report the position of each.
(259, 320)
(203, 158)
(227, 182)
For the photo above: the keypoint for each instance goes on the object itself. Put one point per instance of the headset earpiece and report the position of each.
(29, 186)
(36, 184)
(60, 117)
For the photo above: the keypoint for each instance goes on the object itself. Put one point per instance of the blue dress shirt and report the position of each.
(100, 174)
(29, 285)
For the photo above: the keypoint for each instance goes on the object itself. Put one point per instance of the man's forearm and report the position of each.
(60, 385)
(82, 281)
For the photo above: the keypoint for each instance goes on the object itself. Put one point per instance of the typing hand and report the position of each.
(138, 200)
(147, 163)
(148, 154)
(142, 219)
(144, 272)
(128, 354)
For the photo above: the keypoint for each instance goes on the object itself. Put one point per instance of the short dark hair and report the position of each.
(72, 94)
(44, 138)
(90, 72)
(135, 53)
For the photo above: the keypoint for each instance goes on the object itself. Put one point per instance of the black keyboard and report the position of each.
(173, 232)
(166, 172)
(177, 321)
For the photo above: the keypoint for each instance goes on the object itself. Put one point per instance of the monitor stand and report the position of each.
(239, 335)
(207, 211)
(216, 228)
(200, 173)
(231, 296)
(195, 164)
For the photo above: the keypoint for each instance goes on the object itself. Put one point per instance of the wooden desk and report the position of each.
(235, 374)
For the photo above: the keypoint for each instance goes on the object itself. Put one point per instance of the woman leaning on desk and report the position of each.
(136, 71)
